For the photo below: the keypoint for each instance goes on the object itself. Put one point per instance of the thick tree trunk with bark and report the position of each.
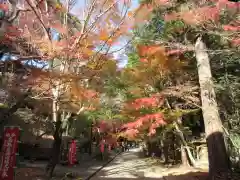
(217, 153)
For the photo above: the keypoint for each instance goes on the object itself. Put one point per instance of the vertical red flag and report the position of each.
(109, 147)
(9, 150)
(102, 144)
(72, 153)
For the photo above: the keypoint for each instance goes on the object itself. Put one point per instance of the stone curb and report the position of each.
(104, 165)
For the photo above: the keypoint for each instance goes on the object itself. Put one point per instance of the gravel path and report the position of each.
(128, 165)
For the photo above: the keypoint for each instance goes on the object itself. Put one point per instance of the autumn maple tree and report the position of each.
(144, 100)
(74, 50)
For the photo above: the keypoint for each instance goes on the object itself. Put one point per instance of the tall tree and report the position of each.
(217, 152)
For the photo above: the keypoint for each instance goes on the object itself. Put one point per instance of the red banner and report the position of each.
(9, 150)
(72, 153)
(102, 146)
(109, 147)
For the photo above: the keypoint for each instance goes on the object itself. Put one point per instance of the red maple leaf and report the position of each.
(231, 28)
(146, 102)
(153, 121)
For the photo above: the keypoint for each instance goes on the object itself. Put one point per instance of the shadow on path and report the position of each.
(129, 166)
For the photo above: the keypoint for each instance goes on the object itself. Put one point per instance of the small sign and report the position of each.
(9, 151)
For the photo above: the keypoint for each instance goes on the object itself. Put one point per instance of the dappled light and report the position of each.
(129, 166)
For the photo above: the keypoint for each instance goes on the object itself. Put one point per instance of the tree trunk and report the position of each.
(61, 124)
(91, 138)
(173, 147)
(184, 158)
(55, 152)
(166, 151)
(217, 153)
(184, 143)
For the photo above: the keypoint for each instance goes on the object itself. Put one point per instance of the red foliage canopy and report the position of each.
(148, 121)
(205, 13)
(146, 102)
(151, 121)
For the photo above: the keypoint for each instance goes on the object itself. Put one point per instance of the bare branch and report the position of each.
(46, 29)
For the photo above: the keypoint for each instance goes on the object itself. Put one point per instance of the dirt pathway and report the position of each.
(129, 166)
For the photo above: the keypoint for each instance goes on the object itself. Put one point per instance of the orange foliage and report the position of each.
(143, 60)
(103, 35)
(81, 93)
(105, 22)
(197, 16)
(142, 13)
(150, 50)
(157, 58)
(146, 102)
